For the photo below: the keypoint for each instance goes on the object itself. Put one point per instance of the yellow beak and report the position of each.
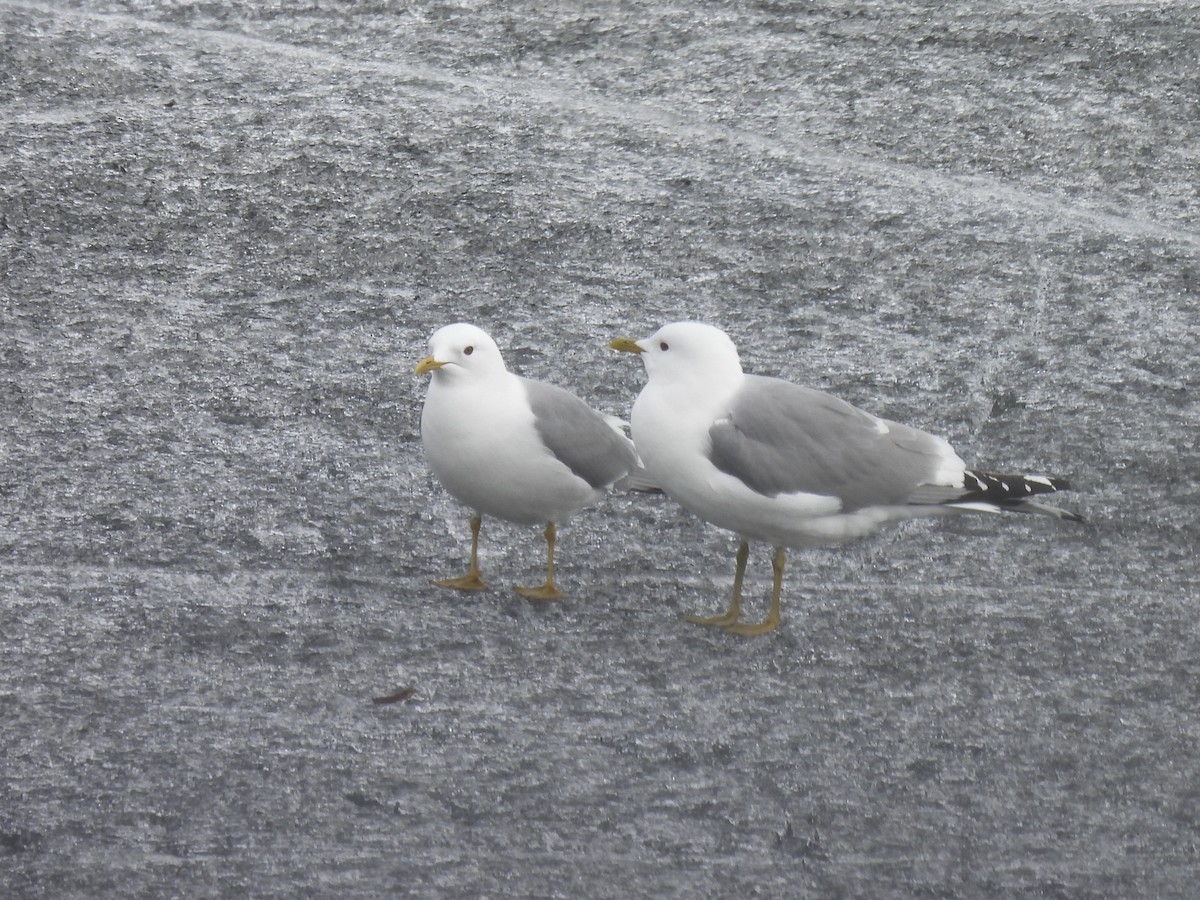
(428, 364)
(628, 345)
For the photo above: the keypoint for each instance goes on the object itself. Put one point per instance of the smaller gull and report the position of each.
(511, 447)
(790, 466)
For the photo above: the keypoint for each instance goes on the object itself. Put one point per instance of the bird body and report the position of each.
(788, 465)
(472, 436)
(511, 447)
(696, 455)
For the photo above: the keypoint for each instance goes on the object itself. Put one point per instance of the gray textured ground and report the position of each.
(226, 232)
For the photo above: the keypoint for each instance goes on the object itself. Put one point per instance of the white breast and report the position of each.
(482, 445)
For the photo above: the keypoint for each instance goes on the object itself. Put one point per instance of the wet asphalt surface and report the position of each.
(226, 234)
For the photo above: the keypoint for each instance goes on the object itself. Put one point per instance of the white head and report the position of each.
(686, 351)
(461, 350)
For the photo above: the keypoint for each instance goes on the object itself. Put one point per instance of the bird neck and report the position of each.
(691, 402)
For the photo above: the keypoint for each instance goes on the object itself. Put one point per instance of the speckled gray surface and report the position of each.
(227, 231)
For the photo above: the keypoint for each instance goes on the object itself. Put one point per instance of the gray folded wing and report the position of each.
(579, 436)
(781, 438)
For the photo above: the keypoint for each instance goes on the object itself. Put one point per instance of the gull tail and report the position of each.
(637, 479)
(1010, 493)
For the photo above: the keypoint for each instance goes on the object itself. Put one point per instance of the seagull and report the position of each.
(510, 447)
(791, 466)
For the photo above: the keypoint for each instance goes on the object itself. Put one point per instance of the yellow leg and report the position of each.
(731, 615)
(772, 619)
(547, 591)
(471, 581)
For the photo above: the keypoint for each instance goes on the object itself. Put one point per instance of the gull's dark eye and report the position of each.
(662, 345)
(467, 351)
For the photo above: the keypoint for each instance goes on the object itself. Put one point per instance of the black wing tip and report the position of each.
(991, 486)
(1015, 493)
